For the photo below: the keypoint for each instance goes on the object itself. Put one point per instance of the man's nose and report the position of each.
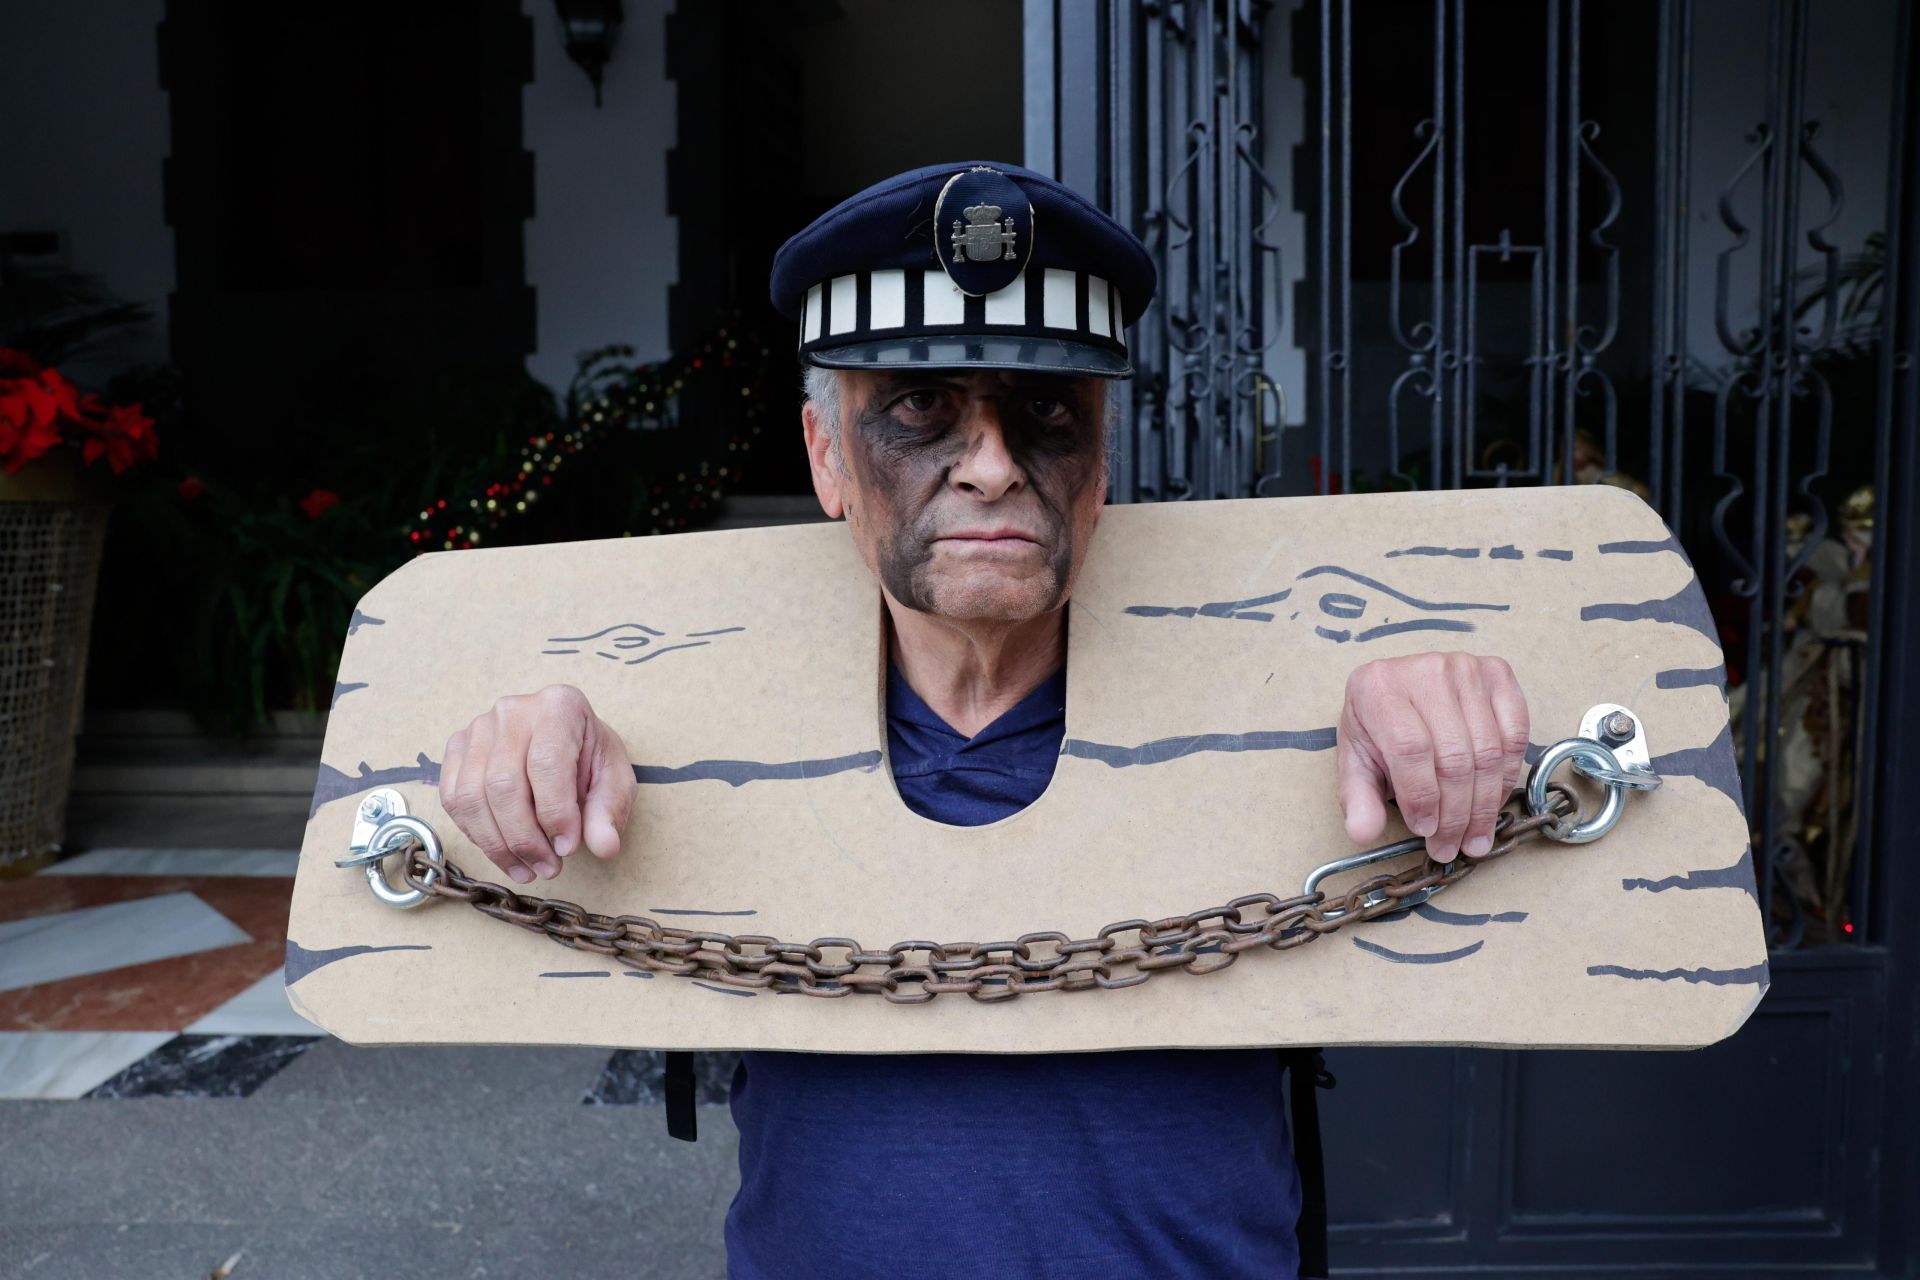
(987, 470)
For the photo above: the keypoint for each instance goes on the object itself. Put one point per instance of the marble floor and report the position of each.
(164, 1111)
(135, 973)
(128, 972)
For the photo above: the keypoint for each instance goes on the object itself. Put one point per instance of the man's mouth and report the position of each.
(987, 535)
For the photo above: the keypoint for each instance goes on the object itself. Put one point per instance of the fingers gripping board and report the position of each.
(1209, 646)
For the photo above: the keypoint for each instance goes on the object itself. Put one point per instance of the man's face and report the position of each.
(971, 494)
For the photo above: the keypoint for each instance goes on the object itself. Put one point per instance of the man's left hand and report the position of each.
(1444, 735)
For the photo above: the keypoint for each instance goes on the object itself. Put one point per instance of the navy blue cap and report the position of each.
(975, 263)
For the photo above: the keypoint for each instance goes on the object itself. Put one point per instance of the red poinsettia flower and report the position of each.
(122, 433)
(37, 405)
(29, 422)
(68, 402)
(315, 504)
(191, 487)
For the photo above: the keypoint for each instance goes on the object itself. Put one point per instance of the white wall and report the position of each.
(86, 128)
(1850, 95)
(601, 249)
(1282, 133)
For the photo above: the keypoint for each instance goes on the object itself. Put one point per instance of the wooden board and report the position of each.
(1209, 645)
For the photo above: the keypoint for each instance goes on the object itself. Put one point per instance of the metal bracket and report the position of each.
(1621, 732)
(380, 826)
(377, 806)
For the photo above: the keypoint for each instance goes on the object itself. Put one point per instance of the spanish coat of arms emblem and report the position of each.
(984, 236)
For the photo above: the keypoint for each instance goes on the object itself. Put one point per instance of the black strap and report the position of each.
(1307, 1074)
(680, 1090)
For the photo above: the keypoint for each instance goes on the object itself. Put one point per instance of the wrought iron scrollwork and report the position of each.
(1561, 324)
(1219, 309)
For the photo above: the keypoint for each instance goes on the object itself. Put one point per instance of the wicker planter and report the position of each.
(53, 524)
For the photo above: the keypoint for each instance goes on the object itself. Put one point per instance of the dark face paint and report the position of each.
(912, 433)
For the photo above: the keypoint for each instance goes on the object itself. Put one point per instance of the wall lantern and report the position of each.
(590, 27)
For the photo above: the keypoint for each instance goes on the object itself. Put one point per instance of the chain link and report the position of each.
(1124, 954)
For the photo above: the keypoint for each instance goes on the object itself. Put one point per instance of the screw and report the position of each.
(373, 808)
(1617, 727)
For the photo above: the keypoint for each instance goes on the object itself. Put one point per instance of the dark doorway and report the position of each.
(347, 190)
(786, 110)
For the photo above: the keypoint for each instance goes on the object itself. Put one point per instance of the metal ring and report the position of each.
(1594, 753)
(1630, 778)
(386, 837)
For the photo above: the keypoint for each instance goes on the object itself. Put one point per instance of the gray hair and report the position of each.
(822, 386)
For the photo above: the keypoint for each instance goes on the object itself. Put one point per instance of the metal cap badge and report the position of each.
(983, 230)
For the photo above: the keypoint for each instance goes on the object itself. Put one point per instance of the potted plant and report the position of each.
(57, 446)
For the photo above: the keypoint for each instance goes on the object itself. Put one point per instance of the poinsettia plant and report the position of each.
(40, 410)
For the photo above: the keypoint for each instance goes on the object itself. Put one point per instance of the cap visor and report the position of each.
(988, 352)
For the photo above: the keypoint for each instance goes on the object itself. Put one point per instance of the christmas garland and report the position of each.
(610, 392)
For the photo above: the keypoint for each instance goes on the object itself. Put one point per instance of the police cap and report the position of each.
(976, 264)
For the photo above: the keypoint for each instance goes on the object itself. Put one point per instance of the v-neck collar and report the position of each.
(1045, 704)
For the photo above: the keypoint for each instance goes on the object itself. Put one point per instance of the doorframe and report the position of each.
(1893, 740)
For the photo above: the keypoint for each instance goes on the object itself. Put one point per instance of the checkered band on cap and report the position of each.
(907, 303)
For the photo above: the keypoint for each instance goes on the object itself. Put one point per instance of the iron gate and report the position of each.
(1666, 245)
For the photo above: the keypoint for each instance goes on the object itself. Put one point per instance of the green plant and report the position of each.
(262, 591)
(242, 569)
(242, 559)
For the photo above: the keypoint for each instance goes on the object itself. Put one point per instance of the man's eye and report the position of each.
(1050, 409)
(921, 401)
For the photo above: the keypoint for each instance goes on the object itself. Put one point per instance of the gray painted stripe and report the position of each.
(1642, 547)
(1715, 977)
(1418, 957)
(1738, 876)
(1689, 677)
(1162, 750)
(301, 961)
(333, 784)
(739, 772)
(1687, 607)
(1427, 911)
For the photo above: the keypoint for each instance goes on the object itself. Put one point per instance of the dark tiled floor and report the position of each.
(204, 1067)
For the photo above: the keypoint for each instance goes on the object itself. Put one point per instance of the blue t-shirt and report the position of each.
(1033, 1165)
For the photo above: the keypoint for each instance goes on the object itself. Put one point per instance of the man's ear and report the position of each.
(826, 473)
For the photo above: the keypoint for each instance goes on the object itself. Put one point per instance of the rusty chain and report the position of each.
(917, 971)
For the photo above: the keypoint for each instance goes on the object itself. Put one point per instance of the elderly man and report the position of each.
(960, 326)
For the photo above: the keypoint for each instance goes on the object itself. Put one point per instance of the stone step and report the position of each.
(188, 821)
(157, 752)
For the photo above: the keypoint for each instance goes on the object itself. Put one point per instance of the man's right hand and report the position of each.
(524, 780)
